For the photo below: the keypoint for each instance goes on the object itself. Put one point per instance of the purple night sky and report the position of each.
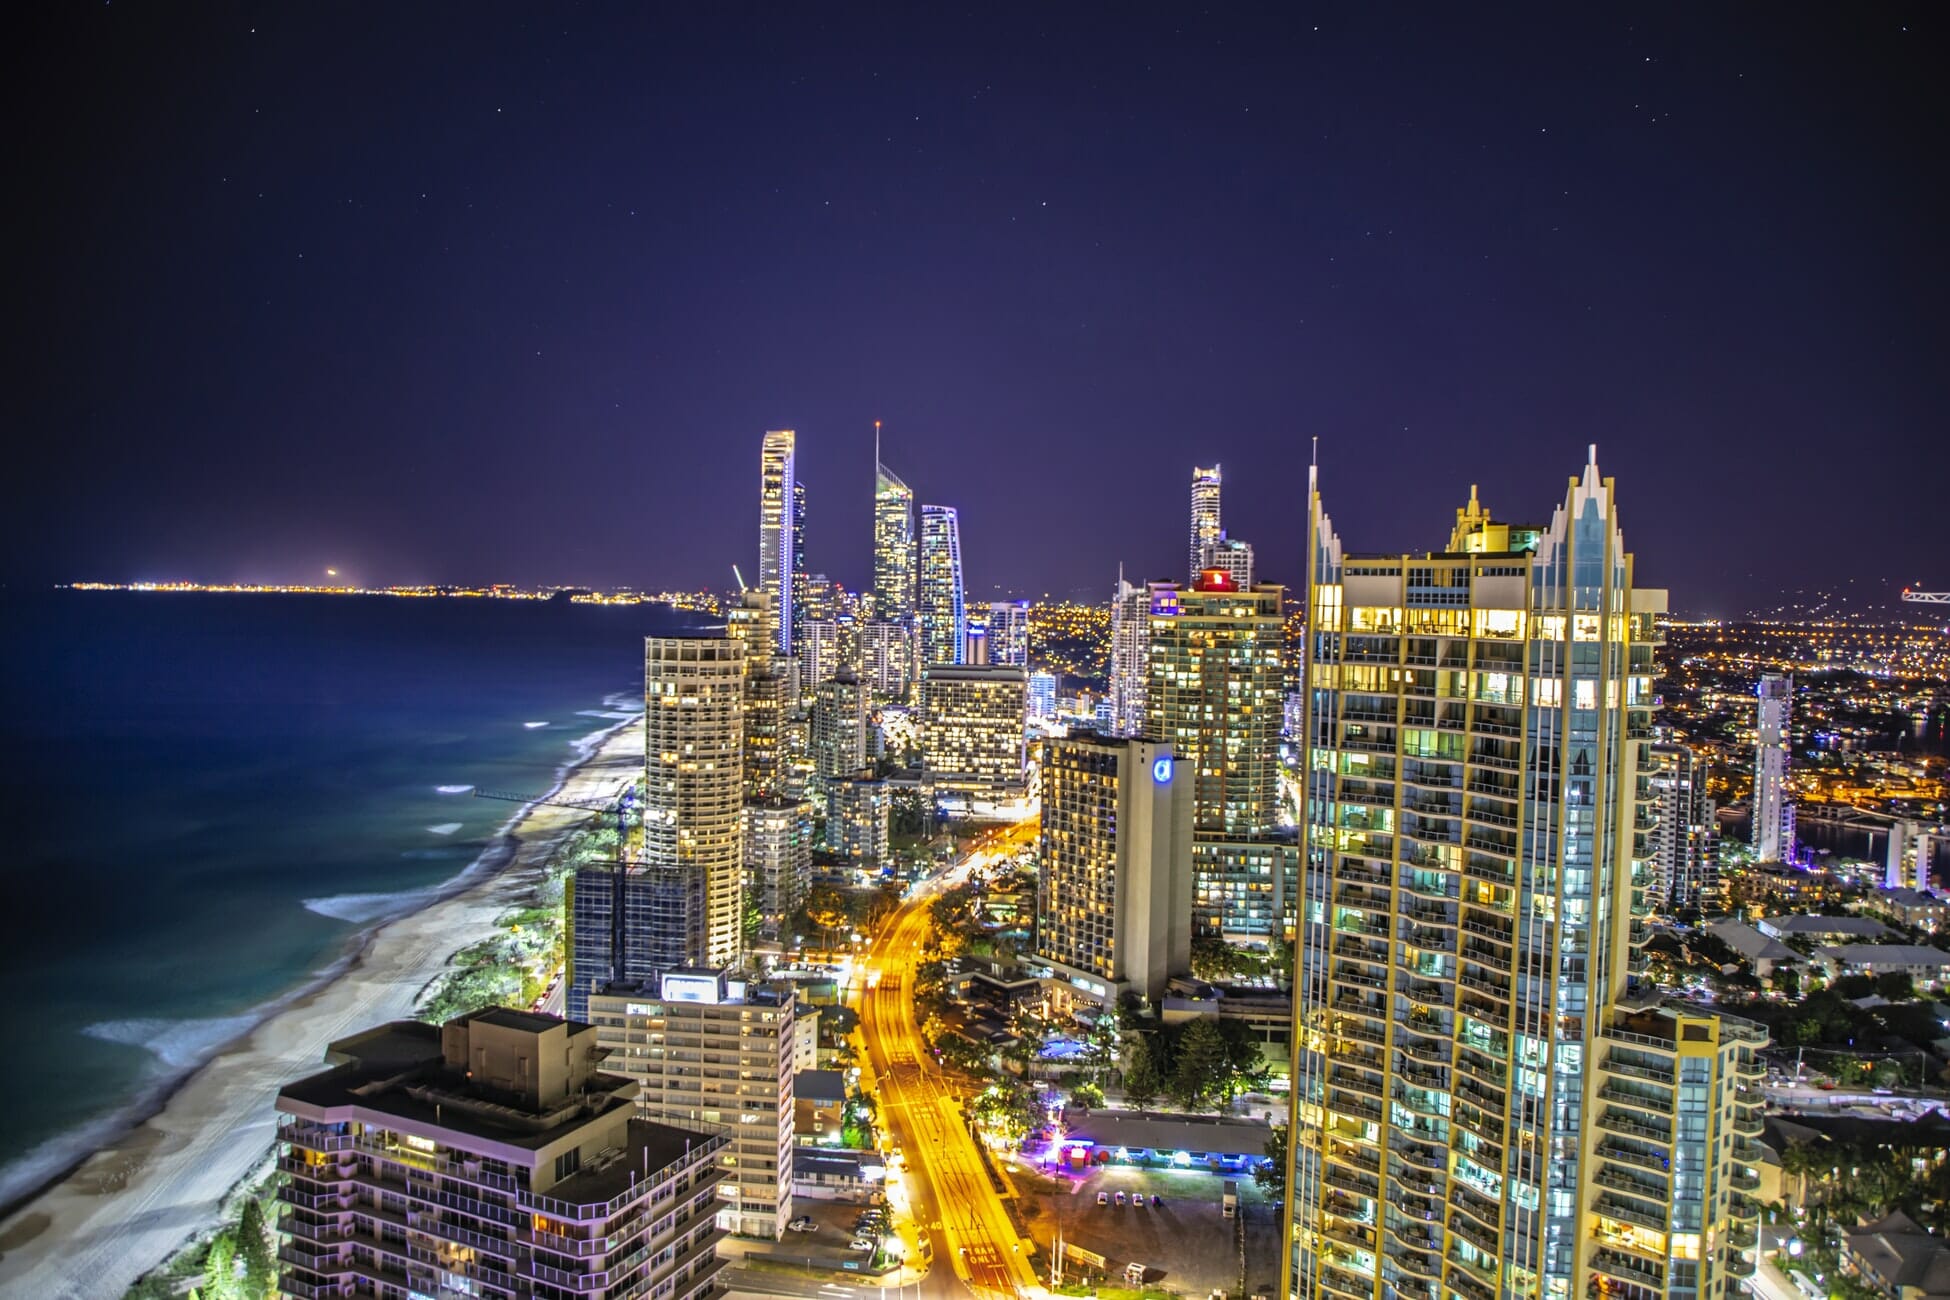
(509, 293)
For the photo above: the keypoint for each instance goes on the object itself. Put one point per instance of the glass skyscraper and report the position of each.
(944, 622)
(778, 529)
(1489, 1100)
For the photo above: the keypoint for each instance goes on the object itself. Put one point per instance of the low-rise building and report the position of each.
(1924, 966)
(1825, 929)
(489, 1156)
(819, 1108)
(1922, 908)
(1759, 950)
(1898, 1259)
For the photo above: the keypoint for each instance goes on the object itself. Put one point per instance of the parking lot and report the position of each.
(1185, 1243)
(824, 1248)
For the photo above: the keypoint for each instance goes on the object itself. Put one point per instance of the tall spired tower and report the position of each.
(1490, 1100)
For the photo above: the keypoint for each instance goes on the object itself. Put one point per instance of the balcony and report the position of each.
(1625, 1126)
(1650, 1190)
(1640, 1099)
(1743, 1237)
(1467, 1279)
(1743, 1181)
(1611, 1207)
(1748, 1124)
(1744, 1208)
(1738, 1264)
(1631, 1269)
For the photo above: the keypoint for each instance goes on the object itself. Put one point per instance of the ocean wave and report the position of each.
(447, 854)
(534, 726)
(612, 715)
(445, 828)
(359, 909)
(452, 789)
(176, 1044)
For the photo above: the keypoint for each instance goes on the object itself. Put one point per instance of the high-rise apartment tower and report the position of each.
(1205, 517)
(1489, 1100)
(693, 757)
(777, 529)
(1773, 832)
(943, 611)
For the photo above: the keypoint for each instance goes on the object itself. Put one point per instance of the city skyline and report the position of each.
(616, 251)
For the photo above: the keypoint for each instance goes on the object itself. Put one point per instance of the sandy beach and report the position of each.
(126, 1208)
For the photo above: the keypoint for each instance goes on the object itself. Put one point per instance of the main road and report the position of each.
(956, 1210)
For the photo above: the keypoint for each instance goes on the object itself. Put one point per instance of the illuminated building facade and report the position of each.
(1684, 877)
(1206, 528)
(476, 1157)
(777, 532)
(764, 741)
(1130, 656)
(658, 1031)
(887, 659)
(1231, 557)
(893, 548)
(1489, 1100)
(801, 580)
(973, 729)
(778, 859)
(1113, 897)
(1008, 632)
(693, 756)
(944, 624)
(1773, 832)
(1213, 657)
(1042, 694)
(626, 922)
(858, 821)
(839, 725)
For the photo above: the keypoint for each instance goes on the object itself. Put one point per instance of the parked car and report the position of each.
(860, 1243)
(1120, 1198)
(1103, 1198)
(803, 1223)
(1155, 1201)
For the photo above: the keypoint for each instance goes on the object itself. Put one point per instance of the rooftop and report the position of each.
(1903, 1255)
(398, 1071)
(1886, 954)
(1140, 1130)
(1860, 926)
(1749, 942)
(819, 1085)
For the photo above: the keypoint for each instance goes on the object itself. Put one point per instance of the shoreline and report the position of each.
(120, 1209)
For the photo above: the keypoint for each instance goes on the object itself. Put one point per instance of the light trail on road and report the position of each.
(955, 1207)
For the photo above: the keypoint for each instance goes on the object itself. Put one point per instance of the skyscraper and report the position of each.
(1205, 517)
(1114, 893)
(1773, 834)
(1214, 693)
(893, 544)
(973, 729)
(1042, 694)
(1130, 655)
(778, 859)
(1489, 1101)
(777, 530)
(839, 725)
(1009, 632)
(627, 922)
(1681, 857)
(800, 578)
(1230, 556)
(693, 698)
(943, 622)
(764, 741)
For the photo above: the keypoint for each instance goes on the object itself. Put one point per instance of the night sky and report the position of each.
(442, 292)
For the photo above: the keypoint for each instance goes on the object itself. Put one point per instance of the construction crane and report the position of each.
(1926, 597)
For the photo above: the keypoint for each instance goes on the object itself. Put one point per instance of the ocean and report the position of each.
(209, 797)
